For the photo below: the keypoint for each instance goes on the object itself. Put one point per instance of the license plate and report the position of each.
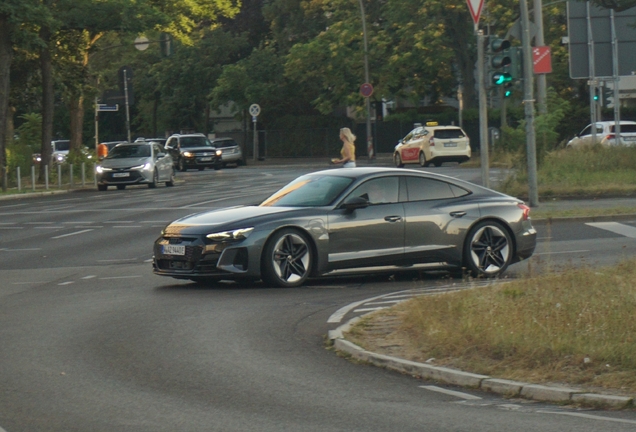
(174, 250)
(121, 174)
(205, 159)
(450, 144)
(630, 138)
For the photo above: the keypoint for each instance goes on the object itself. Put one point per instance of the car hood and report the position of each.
(198, 149)
(124, 163)
(229, 218)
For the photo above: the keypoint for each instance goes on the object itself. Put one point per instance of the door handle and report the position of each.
(393, 218)
(458, 214)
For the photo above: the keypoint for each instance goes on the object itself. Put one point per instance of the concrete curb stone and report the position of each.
(506, 388)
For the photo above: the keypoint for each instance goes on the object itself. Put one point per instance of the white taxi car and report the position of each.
(433, 144)
(605, 135)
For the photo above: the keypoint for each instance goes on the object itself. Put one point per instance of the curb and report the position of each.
(603, 218)
(506, 388)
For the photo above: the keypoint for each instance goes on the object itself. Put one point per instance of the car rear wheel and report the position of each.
(218, 166)
(121, 187)
(155, 180)
(488, 250)
(287, 259)
(102, 188)
(398, 161)
(171, 181)
(201, 168)
(437, 164)
(423, 162)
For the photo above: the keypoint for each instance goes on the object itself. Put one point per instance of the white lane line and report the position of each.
(57, 208)
(48, 227)
(460, 395)
(67, 283)
(117, 222)
(29, 283)
(120, 277)
(148, 260)
(337, 316)
(615, 227)
(72, 234)
(11, 228)
(39, 223)
(563, 252)
(370, 309)
(20, 250)
(14, 205)
(89, 277)
(589, 416)
(78, 223)
(386, 302)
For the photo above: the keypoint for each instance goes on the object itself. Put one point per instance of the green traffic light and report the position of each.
(501, 78)
(508, 93)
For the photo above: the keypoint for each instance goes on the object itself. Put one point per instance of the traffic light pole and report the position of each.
(483, 111)
(528, 102)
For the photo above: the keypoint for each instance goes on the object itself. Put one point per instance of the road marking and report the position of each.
(118, 260)
(67, 283)
(20, 250)
(460, 395)
(89, 277)
(116, 222)
(48, 227)
(370, 309)
(615, 227)
(120, 277)
(563, 252)
(39, 223)
(589, 416)
(11, 228)
(72, 234)
(29, 283)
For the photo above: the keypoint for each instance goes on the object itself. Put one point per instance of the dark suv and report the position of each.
(193, 151)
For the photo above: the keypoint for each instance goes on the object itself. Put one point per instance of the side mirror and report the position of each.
(355, 203)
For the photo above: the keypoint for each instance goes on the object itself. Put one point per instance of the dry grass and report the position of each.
(575, 327)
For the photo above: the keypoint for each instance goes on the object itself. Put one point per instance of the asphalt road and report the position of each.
(91, 340)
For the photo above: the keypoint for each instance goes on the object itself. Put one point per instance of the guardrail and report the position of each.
(62, 176)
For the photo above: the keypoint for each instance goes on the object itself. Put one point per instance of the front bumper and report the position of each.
(117, 178)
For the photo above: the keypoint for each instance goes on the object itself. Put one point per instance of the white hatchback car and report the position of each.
(605, 135)
(433, 144)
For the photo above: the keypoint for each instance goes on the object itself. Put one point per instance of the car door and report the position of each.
(437, 216)
(411, 148)
(368, 236)
(172, 147)
(162, 163)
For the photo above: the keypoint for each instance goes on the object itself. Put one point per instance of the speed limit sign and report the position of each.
(255, 110)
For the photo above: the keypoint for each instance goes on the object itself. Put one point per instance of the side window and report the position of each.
(421, 189)
(599, 129)
(170, 142)
(586, 131)
(382, 190)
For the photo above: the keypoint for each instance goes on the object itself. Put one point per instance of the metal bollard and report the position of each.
(19, 179)
(33, 178)
(46, 177)
(59, 176)
(83, 174)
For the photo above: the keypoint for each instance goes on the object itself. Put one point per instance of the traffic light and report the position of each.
(515, 68)
(508, 89)
(498, 61)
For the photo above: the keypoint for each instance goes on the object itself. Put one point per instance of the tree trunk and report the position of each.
(5, 68)
(76, 111)
(46, 70)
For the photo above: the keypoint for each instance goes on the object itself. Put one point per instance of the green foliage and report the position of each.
(30, 131)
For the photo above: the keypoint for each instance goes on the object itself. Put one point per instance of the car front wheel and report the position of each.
(488, 250)
(287, 259)
(155, 180)
(398, 161)
(171, 181)
(423, 162)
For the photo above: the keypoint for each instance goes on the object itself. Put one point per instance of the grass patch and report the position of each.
(572, 327)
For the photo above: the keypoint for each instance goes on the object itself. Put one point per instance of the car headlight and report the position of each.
(237, 234)
(60, 158)
(100, 169)
(147, 166)
(219, 152)
(188, 154)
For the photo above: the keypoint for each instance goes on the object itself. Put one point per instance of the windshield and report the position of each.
(309, 191)
(129, 151)
(625, 128)
(62, 145)
(195, 142)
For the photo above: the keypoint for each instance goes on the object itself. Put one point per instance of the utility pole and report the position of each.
(542, 103)
(370, 150)
(528, 102)
(483, 111)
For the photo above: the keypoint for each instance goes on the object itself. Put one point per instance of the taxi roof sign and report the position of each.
(432, 123)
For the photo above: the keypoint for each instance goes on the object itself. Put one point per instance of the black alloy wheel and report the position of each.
(398, 160)
(488, 250)
(287, 259)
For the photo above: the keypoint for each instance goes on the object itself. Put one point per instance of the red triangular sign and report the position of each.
(475, 6)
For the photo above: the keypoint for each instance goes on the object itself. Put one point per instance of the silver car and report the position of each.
(232, 153)
(135, 163)
(349, 219)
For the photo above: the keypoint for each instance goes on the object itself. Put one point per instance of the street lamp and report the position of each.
(370, 152)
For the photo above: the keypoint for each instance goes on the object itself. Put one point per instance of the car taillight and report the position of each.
(431, 142)
(526, 211)
(610, 136)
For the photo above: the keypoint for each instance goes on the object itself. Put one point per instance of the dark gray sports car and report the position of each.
(356, 218)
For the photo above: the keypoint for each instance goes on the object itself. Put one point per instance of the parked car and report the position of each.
(605, 135)
(432, 144)
(160, 141)
(356, 218)
(59, 152)
(231, 151)
(193, 151)
(135, 163)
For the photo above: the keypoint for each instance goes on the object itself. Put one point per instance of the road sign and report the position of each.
(104, 107)
(366, 90)
(475, 7)
(142, 43)
(541, 60)
(255, 110)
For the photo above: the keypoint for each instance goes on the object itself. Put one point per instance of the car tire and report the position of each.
(398, 160)
(170, 182)
(121, 187)
(201, 168)
(218, 166)
(102, 188)
(488, 249)
(182, 165)
(437, 164)
(155, 180)
(423, 161)
(287, 259)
